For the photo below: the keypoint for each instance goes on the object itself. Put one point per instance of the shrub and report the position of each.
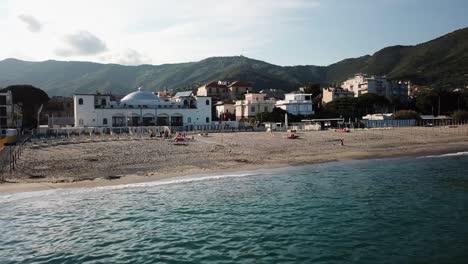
(406, 114)
(460, 115)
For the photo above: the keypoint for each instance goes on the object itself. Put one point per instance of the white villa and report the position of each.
(253, 104)
(141, 108)
(296, 104)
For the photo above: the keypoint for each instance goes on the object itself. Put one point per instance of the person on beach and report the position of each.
(342, 142)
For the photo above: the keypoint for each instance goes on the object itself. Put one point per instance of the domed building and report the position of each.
(142, 108)
(141, 97)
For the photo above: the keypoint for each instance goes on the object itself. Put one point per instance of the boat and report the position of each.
(345, 130)
(8, 137)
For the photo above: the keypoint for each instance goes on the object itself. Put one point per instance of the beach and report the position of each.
(113, 160)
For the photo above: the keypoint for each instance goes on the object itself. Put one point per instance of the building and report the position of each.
(296, 104)
(225, 110)
(224, 90)
(9, 116)
(141, 108)
(331, 93)
(253, 104)
(361, 84)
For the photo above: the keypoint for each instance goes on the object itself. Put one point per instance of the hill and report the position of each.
(442, 61)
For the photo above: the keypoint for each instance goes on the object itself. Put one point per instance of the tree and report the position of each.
(371, 103)
(312, 88)
(29, 99)
(406, 114)
(460, 115)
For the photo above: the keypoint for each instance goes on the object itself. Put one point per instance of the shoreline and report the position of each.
(135, 178)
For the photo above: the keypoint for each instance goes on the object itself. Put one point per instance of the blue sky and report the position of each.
(287, 32)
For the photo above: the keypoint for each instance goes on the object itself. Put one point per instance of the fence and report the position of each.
(9, 156)
(389, 123)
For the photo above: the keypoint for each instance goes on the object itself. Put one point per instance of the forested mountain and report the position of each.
(442, 61)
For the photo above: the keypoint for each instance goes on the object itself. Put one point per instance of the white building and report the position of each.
(253, 104)
(141, 108)
(380, 85)
(296, 104)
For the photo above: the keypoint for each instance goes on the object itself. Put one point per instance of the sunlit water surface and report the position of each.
(409, 210)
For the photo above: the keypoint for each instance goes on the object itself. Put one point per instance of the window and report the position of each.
(252, 109)
(189, 120)
(3, 100)
(80, 122)
(307, 97)
(266, 108)
(104, 121)
(3, 111)
(103, 102)
(207, 119)
(80, 101)
(207, 102)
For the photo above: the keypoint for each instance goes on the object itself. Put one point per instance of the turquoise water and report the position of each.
(411, 210)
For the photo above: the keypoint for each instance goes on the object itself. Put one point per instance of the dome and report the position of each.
(140, 97)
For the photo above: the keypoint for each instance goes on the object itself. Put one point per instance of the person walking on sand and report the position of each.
(342, 142)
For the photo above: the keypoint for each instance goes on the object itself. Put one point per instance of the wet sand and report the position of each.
(89, 162)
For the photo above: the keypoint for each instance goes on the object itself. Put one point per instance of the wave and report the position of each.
(463, 153)
(176, 180)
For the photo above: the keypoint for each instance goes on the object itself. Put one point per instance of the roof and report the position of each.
(239, 84)
(275, 93)
(184, 94)
(141, 97)
(215, 84)
(322, 119)
(431, 117)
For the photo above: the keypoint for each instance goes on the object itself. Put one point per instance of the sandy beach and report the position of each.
(92, 161)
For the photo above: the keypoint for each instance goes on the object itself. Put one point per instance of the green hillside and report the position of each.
(443, 62)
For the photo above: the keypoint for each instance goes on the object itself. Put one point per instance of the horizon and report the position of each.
(156, 33)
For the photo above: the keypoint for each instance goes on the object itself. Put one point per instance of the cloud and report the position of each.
(81, 43)
(31, 22)
(154, 31)
(127, 57)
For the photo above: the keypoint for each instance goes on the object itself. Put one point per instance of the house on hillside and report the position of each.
(330, 94)
(362, 84)
(224, 90)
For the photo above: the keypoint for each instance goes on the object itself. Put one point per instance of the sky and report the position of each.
(282, 32)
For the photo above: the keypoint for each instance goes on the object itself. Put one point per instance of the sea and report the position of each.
(400, 210)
